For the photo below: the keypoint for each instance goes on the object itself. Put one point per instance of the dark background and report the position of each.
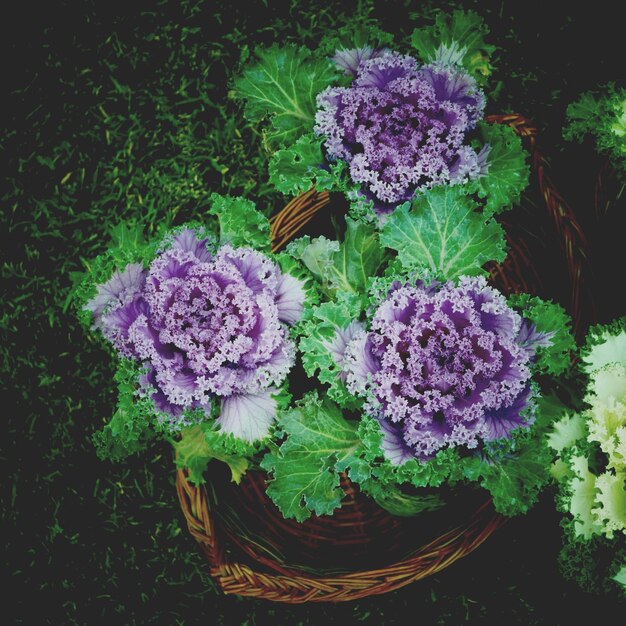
(114, 110)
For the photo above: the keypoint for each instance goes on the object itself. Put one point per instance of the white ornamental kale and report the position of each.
(595, 495)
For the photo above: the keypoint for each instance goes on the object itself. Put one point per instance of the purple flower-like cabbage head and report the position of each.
(443, 366)
(208, 326)
(402, 127)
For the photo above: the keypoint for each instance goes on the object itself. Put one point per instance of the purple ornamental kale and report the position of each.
(402, 128)
(206, 326)
(443, 366)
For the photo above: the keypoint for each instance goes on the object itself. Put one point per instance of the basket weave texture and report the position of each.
(362, 550)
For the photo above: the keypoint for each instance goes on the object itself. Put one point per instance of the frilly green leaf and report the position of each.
(548, 317)
(294, 169)
(457, 38)
(601, 114)
(130, 429)
(507, 170)
(318, 333)
(127, 245)
(241, 224)
(318, 255)
(282, 86)
(201, 443)
(605, 344)
(361, 30)
(620, 577)
(292, 265)
(343, 267)
(516, 473)
(400, 502)
(431, 474)
(566, 432)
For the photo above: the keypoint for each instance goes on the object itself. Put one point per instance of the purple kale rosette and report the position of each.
(357, 117)
(210, 326)
(401, 127)
(443, 365)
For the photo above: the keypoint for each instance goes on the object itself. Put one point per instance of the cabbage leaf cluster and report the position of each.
(590, 448)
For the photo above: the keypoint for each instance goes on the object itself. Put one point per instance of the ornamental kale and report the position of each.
(443, 366)
(357, 117)
(204, 320)
(403, 128)
(603, 116)
(590, 448)
(209, 325)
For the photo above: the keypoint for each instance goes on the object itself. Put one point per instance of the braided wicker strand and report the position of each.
(286, 223)
(266, 577)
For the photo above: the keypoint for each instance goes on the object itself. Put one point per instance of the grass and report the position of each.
(125, 112)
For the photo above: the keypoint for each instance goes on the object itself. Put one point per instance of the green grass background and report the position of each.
(116, 111)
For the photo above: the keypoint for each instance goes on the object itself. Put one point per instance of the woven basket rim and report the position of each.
(242, 578)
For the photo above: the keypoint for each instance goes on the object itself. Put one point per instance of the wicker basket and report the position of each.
(253, 551)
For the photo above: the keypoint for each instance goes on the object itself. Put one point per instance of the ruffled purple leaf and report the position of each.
(465, 166)
(149, 387)
(248, 416)
(257, 271)
(359, 362)
(116, 325)
(384, 69)
(290, 297)
(457, 87)
(396, 451)
(530, 338)
(338, 344)
(121, 288)
(187, 241)
(350, 60)
(501, 422)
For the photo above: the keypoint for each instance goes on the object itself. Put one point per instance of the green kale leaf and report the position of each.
(507, 170)
(130, 429)
(442, 233)
(457, 38)
(293, 169)
(346, 266)
(515, 475)
(601, 114)
(548, 317)
(201, 443)
(283, 85)
(319, 444)
(320, 343)
(241, 224)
